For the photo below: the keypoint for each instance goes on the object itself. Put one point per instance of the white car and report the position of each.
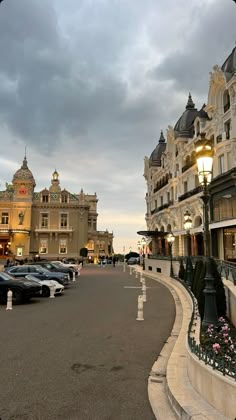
(76, 267)
(47, 286)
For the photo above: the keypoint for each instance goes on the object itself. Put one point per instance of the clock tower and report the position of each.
(23, 190)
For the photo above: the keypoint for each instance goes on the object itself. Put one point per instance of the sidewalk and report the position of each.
(170, 392)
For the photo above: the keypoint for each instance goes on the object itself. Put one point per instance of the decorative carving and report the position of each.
(21, 216)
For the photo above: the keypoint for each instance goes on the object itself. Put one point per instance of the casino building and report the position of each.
(52, 223)
(172, 177)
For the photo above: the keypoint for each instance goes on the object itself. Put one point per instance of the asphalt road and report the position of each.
(83, 356)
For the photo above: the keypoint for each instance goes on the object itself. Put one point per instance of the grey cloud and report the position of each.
(206, 43)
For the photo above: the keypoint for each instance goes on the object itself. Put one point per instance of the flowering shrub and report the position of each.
(221, 341)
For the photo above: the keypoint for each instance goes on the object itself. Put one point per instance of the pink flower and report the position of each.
(216, 347)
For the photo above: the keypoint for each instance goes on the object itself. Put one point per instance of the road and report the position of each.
(84, 356)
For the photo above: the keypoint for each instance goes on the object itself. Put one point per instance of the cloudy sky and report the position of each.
(87, 85)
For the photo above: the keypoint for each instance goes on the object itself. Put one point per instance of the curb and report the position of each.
(170, 392)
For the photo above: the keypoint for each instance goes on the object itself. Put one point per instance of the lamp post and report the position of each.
(187, 227)
(170, 239)
(139, 250)
(143, 243)
(204, 157)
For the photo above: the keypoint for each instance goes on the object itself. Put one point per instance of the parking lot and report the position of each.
(83, 355)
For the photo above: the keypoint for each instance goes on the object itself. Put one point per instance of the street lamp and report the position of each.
(170, 239)
(143, 243)
(187, 226)
(204, 157)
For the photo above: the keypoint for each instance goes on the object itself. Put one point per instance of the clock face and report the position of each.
(22, 190)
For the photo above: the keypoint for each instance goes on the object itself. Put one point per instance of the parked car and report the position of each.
(47, 286)
(40, 272)
(52, 267)
(133, 260)
(73, 267)
(22, 289)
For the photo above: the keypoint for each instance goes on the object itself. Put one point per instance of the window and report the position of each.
(64, 198)
(63, 246)
(44, 220)
(221, 164)
(43, 247)
(94, 224)
(227, 129)
(4, 218)
(161, 200)
(64, 220)
(89, 223)
(226, 101)
(45, 198)
(19, 252)
(196, 180)
(185, 187)
(198, 128)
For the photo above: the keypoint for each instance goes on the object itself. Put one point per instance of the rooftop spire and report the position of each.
(162, 138)
(190, 103)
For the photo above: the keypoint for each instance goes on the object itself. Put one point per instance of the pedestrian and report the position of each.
(114, 261)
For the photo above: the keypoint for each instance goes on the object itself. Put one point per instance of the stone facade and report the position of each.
(172, 177)
(52, 223)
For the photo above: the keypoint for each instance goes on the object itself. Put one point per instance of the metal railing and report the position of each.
(209, 357)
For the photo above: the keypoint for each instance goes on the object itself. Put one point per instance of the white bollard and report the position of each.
(141, 276)
(52, 291)
(140, 309)
(124, 267)
(73, 276)
(9, 300)
(144, 290)
(136, 274)
(130, 271)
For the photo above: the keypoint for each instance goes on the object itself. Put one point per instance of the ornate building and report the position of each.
(51, 223)
(172, 178)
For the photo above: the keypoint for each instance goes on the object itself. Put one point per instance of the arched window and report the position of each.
(198, 129)
(226, 101)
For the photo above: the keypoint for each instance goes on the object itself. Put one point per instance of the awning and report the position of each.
(152, 233)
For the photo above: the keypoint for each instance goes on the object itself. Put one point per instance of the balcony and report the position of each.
(49, 229)
(190, 193)
(4, 228)
(186, 167)
(162, 207)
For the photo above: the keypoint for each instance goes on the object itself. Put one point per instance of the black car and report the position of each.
(52, 267)
(37, 271)
(22, 289)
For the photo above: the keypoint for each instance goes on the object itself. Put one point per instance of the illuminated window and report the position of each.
(4, 218)
(43, 247)
(63, 246)
(19, 252)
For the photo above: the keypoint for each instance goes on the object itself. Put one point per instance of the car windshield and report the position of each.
(5, 276)
(40, 269)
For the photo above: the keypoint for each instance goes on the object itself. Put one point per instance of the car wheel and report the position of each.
(17, 297)
(45, 291)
